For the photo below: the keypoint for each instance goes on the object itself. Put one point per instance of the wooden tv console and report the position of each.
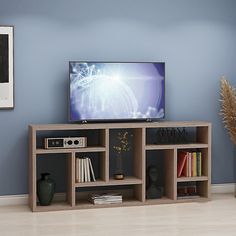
(132, 187)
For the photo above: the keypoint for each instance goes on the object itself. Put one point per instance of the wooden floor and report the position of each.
(217, 217)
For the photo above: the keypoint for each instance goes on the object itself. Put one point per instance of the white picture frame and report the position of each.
(6, 67)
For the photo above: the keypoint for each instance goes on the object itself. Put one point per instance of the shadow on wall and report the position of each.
(158, 12)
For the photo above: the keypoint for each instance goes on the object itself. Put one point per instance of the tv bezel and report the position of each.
(130, 120)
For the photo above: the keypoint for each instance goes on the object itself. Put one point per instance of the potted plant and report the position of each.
(228, 108)
(123, 145)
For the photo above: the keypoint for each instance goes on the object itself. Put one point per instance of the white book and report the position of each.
(88, 172)
(79, 170)
(76, 173)
(85, 170)
(106, 202)
(82, 169)
(91, 169)
(77, 176)
(105, 198)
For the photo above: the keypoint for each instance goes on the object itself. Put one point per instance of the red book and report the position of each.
(186, 166)
(181, 160)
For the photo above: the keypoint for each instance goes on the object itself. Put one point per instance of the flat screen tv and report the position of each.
(116, 91)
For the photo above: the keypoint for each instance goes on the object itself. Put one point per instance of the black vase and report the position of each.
(45, 189)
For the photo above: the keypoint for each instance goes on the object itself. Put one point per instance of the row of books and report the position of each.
(189, 164)
(84, 170)
(105, 198)
(187, 190)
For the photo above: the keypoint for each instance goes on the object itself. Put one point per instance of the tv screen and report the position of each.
(116, 91)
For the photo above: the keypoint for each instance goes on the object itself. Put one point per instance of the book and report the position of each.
(199, 164)
(97, 202)
(105, 198)
(78, 174)
(189, 164)
(187, 190)
(85, 170)
(78, 170)
(188, 197)
(88, 169)
(181, 160)
(185, 168)
(91, 169)
(194, 164)
(82, 170)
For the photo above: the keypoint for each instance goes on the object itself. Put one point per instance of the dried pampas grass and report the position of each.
(228, 107)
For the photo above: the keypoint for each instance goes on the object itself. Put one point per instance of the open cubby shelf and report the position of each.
(145, 151)
(87, 149)
(129, 180)
(191, 179)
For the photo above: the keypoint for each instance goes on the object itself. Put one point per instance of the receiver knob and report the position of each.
(76, 142)
(69, 142)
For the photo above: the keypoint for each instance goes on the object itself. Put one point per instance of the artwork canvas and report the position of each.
(6, 67)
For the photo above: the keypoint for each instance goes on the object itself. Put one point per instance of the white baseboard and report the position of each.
(10, 200)
(13, 200)
(223, 188)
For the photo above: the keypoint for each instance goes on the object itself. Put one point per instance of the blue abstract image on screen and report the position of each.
(110, 91)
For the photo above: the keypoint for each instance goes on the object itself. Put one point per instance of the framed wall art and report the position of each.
(6, 67)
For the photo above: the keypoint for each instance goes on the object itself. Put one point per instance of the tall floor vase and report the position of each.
(45, 189)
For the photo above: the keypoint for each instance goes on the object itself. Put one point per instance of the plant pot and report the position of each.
(45, 189)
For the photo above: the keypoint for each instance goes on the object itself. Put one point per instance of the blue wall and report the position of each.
(196, 39)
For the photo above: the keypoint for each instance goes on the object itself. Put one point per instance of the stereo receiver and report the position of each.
(69, 142)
